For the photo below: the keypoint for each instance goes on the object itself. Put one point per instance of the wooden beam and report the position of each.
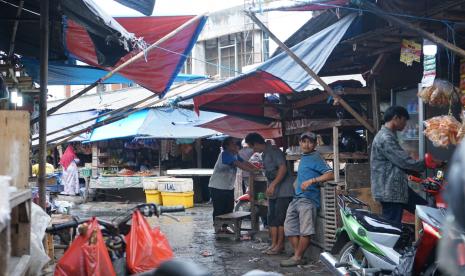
(375, 104)
(320, 124)
(309, 71)
(409, 26)
(308, 101)
(336, 165)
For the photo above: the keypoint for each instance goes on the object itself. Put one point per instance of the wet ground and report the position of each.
(193, 238)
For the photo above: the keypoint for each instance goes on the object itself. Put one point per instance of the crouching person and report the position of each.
(301, 214)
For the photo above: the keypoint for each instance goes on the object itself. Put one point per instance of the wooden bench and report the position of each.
(233, 220)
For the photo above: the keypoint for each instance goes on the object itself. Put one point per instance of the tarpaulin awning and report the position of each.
(59, 121)
(65, 74)
(239, 128)
(143, 6)
(158, 71)
(109, 38)
(280, 74)
(309, 5)
(157, 123)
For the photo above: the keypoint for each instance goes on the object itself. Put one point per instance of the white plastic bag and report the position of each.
(4, 200)
(39, 222)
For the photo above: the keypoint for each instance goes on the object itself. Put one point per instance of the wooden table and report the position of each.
(253, 180)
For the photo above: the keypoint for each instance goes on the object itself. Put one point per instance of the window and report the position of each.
(187, 67)
(211, 57)
(266, 46)
(228, 53)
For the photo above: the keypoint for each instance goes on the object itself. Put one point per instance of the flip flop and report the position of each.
(272, 252)
(266, 249)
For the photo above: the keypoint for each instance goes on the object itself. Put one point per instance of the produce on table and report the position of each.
(444, 131)
(126, 172)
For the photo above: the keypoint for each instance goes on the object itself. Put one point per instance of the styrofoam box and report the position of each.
(176, 185)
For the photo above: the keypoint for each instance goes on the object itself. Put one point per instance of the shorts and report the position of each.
(277, 208)
(300, 218)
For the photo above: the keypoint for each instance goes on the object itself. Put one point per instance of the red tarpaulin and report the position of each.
(244, 95)
(237, 127)
(161, 67)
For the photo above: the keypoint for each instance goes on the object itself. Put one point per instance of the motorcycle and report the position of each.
(368, 244)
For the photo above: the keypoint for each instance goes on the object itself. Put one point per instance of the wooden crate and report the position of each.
(329, 213)
(14, 146)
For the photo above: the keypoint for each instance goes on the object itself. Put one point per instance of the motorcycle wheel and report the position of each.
(242, 206)
(352, 254)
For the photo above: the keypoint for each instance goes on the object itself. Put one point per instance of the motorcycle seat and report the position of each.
(375, 223)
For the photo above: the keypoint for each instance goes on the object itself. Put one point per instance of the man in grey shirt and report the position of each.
(389, 167)
(280, 190)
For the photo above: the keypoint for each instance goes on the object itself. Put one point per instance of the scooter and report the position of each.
(367, 244)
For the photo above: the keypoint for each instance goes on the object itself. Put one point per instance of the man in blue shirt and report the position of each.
(301, 214)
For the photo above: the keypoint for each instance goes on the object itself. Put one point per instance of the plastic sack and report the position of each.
(405, 266)
(443, 131)
(39, 222)
(441, 93)
(146, 248)
(4, 200)
(87, 255)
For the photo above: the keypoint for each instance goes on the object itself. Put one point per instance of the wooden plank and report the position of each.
(14, 146)
(330, 155)
(320, 124)
(357, 176)
(234, 215)
(375, 105)
(19, 197)
(336, 164)
(310, 100)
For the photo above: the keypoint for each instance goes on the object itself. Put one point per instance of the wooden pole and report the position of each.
(402, 23)
(336, 164)
(309, 71)
(122, 109)
(44, 38)
(138, 56)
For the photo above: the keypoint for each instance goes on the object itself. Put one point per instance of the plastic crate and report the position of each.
(175, 199)
(176, 185)
(153, 196)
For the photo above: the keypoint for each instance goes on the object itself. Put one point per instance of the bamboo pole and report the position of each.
(122, 109)
(138, 56)
(402, 23)
(44, 44)
(111, 119)
(309, 71)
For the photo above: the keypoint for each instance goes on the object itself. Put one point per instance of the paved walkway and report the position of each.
(193, 238)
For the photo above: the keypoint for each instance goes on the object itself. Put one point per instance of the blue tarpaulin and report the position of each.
(158, 123)
(65, 74)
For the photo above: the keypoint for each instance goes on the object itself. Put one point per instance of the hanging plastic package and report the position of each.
(146, 248)
(87, 255)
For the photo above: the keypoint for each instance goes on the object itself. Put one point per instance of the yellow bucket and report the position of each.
(153, 196)
(175, 199)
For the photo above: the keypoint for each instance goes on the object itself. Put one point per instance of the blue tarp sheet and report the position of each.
(158, 123)
(64, 74)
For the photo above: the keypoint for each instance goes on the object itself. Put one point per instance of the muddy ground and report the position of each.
(193, 238)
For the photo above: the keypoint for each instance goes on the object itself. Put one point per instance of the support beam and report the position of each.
(309, 71)
(336, 164)
(44, 39)
(375, 104)
(130, 61)
(407, 25)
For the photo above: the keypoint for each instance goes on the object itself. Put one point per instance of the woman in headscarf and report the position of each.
(70, 177)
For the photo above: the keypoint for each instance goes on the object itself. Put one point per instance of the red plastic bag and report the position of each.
(87, 255)
(146, 248)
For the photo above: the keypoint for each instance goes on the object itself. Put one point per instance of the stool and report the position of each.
(233, 220)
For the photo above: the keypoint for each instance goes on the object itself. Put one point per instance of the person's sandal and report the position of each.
(292, 262)
(272, 252)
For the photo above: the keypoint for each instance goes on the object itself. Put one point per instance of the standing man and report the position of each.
(223, 178)
(279, 190)
(301, 214)
(389, 167)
